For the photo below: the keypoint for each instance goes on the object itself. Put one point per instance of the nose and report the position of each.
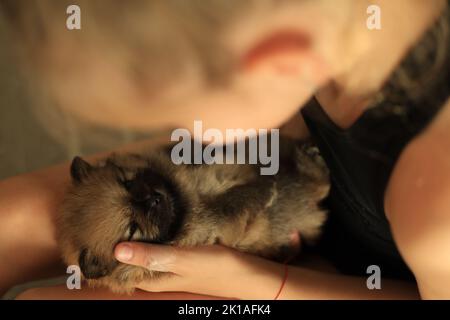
(145, 198)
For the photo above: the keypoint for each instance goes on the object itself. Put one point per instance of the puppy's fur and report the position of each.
(145, 197)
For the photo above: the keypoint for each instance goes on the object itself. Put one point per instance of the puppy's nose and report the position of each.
(146, 199)
(153, 200)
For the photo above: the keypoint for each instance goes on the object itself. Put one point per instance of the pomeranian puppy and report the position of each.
(145, 197)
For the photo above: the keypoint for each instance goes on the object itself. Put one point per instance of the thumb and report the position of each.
(150, 256)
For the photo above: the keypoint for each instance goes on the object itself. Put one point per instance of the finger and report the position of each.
(153, 257)
(296, 241)
(295, 246)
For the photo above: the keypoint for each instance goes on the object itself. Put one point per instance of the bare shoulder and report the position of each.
(417, 204)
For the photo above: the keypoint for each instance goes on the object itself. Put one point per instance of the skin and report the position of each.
(417, 200)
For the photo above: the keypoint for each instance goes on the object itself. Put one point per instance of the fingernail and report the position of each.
(124, 252)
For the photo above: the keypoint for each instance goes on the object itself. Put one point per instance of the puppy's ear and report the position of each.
(79, 169)
(94, 267)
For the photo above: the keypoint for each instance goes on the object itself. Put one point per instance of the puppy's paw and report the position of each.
(311, 163)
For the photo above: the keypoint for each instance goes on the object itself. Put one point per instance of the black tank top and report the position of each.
(362, 157)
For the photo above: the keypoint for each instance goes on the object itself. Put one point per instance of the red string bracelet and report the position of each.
(283, 282)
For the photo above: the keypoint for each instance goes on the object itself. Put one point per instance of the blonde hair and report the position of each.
(152, 42)
(174, 34)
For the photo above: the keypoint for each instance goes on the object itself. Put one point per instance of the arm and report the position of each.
(237, 275)
(418, 207)
(27, 206)
(62, 293)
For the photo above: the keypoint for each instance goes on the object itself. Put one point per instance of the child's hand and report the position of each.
(212, 270)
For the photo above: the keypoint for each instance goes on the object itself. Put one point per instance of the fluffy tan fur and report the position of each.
(228, 204)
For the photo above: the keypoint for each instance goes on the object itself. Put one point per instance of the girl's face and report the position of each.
(263, 95)
(280, 58)
(279, 66)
